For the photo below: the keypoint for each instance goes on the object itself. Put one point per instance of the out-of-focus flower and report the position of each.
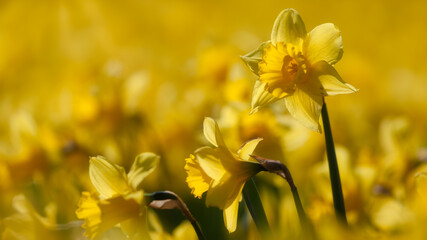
(298, 67)
(120, 195)
(183, 231)
(421, 183)
(221, 173)
(27, 223)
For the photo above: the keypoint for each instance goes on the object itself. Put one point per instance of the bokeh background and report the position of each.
(116, 78)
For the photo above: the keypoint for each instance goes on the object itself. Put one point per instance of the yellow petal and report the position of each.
(108, 178)
(324, 42)
(136, 228)
(288, 28)
(253, 58)
(330, 79)
(198, 181)
(261, 97)
(230, 215)
(306, 103)
(89, 211)
(184, 231)
(224, 192)
(210, 161)
(212, 132)
(421, 183)
(99, 216)
(144, 164)
(247, 148)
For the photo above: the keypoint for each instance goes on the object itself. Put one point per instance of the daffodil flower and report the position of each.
(298, 67)
(221, 173)
(120, 195)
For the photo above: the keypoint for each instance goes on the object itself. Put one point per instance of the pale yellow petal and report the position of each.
(184, 231)
(306, 103)
(101, 215)
(198, 181)
(261, 97)
(288, 28)
(213, 135)
(253, 58)
(230, 215)
(212, 132)
(108, 178)
(144, 164)
(331, 81)
(421, 183)
(223, 192)
(210, 162)
(247, 148)
(324, 42)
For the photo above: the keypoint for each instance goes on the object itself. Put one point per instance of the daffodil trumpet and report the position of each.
(334, 173)
(170, 200)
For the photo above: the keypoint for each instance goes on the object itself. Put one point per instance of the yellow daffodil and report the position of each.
(298, 67)
(221, 173)
(27, 223)
(120, 195)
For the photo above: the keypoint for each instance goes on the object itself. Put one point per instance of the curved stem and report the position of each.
(169, 200)
(333, 168)
(254, 204)
(274, 166)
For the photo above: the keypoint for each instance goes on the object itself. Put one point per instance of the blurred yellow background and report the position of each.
(85, 77)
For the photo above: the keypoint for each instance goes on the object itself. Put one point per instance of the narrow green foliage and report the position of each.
(254, 204)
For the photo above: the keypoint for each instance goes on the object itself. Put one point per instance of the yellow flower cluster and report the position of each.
(85, 78)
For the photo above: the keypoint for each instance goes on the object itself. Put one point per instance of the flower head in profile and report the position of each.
(220, 172)
(298, 67)
(119, 197)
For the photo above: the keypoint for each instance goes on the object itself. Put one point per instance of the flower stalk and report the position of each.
(254, 205)
(333, 168)
(169, 200)
(280, 169)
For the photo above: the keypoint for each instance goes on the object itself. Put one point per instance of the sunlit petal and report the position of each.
(324, 42)
(210, 162)
(212, 132)
(100, 215)
(288, 28)
(108, 178)
(305, 105)
(144, 164)
(224, 192)
(261, 97)
(230, 216)
(247, 148)
(331, 81)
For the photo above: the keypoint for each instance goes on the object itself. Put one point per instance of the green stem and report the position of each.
(254, 204)
(167, 195)
(304, 221)
(333, 168)
(301, 214)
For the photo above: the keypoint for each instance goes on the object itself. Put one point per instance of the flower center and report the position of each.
(290, 66)
(282, 67)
